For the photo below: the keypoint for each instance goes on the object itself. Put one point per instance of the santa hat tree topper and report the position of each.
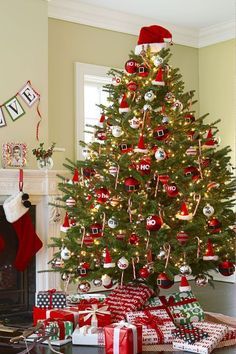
(153, 37)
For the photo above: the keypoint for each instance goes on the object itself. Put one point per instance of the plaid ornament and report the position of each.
(189, 333)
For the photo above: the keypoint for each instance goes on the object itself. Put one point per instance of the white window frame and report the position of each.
(81, 70)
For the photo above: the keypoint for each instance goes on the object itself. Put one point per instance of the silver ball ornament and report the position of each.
(201, 280)
(97, 282)
(162, 254)
(185, 269)
(84, 287)
(64, 276)
(157, 61)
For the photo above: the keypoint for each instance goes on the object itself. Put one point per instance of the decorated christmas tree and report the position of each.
(153, 196)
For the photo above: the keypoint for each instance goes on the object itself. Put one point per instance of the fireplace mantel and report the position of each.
(42, 186)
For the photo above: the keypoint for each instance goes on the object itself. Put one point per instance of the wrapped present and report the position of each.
(51, 299)
(123, 338)
(189, 333)
(88, 335)
(62, 332)
(74, 299)
(157, 325)
(96, 315)
(182, 306)
(67, 314)
(127, 298)
(216, 333)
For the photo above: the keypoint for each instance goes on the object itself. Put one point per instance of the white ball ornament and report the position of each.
(86, 152)
(134, 123)
(123, 263)
(147, 107)
(116, 131)
(149, 96)
(160, 154)
(165, 120)
(157, 61)
(65, 254)
(112, 223)
(185, 269)
(116, 81)
(208, 210)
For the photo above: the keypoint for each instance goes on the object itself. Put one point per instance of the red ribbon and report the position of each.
(153, 322)
(21, 178)
(60, 323)
(171, 303)
(38, 111)
(51, 292)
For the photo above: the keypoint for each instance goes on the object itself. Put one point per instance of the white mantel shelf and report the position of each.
(36, 182)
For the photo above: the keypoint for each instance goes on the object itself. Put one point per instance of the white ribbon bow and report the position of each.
(116, 341)
(93, 312)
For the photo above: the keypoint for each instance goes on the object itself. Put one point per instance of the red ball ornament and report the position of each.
(120, 235)
(132, 86)
(192, 171)
(163, 281)
(182, 237)
(70, 202)
(125, 148)
(143, 70)
(164, 179)
(83, 269)
(226, 268)
(102, 195)
(171, 190)
(88, 240)
(214, 226)
(96, 230)
(88, 172)
(101, 135)
(205, 162)
(131, 66)
(189, 118)
(161, 133)
(153, 223)
(131, 184)
(144, 166)
(144, 273)
(134, 239)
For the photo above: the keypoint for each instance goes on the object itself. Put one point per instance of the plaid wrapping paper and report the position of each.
(51, 299)
(216, 333)
(88, 335)
(127, 298)
(157, 325)
(189, 333)
(183, 306)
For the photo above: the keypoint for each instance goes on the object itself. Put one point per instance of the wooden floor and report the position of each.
(222, 299)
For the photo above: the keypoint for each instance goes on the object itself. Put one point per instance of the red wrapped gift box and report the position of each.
(67, 314)
(123, 338)
(96, 315)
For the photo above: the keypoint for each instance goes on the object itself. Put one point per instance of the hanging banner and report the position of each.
(28, 94)
(14, 108)
(2, 119)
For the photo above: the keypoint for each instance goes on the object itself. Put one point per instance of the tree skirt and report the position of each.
(209, 316)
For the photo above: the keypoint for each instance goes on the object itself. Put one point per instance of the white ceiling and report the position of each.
(192, 22)
(186, 13)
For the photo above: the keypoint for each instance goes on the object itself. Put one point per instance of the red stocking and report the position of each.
(29, 242)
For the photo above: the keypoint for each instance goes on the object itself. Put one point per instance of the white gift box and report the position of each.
(216, 333)
(88, 335)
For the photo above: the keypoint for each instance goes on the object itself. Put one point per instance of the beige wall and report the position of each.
(24, 56)
(217, 87)
(70, 43)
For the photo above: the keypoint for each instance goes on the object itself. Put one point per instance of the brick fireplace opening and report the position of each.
(17, 289)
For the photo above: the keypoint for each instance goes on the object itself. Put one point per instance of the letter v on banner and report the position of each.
(14, 108)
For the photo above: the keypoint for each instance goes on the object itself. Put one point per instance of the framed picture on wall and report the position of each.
(14, 155)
